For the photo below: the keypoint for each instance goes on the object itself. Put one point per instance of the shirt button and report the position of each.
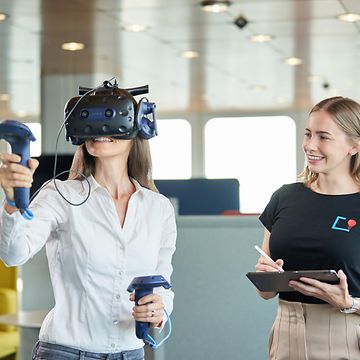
(117, 296)
(121, 272)
(115, 322)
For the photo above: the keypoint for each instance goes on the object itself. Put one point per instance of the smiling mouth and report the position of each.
(102, 139)
(315, 158)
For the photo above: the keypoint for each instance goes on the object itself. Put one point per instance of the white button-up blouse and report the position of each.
(92, 259)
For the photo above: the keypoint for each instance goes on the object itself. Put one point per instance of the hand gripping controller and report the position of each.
(18, 135)
(143, 286)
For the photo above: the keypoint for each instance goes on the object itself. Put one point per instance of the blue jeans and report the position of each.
(46, 351)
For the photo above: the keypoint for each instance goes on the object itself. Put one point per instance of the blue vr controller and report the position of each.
(143, 286)
(18, 135)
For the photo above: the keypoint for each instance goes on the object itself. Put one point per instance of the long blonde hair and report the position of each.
(345, 113)
(139, 163)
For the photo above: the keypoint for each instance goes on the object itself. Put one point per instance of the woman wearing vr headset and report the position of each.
(314, 224)
(125, 229)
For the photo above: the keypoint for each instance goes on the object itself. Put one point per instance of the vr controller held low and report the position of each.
(18, 135)
(143, 286)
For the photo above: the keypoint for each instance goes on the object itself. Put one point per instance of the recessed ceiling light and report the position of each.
(260, 38)
(135, 27)
(349, 17)
(258, 87)
(73, 46)
(314, 78)
(293, 61)
(215, 6)
(3, 16)
(280, 99)
(21, 113)
(4, 97)
(190, 54)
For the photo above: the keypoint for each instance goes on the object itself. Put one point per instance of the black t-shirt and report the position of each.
(310, 231)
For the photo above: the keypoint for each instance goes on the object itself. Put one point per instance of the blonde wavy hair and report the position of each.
(345, 113)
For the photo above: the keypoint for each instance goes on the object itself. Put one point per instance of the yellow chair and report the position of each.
(9, 337)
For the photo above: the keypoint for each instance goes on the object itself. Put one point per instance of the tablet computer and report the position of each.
(278, 281)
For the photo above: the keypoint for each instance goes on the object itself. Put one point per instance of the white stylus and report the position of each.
(267, 257)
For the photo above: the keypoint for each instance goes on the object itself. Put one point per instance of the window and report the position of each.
(171, 150)
(259, 151)
(35, 146)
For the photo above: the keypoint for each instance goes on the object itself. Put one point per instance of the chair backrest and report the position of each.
(8, 305)
(7, 276)
(200, 196)
(8, 294)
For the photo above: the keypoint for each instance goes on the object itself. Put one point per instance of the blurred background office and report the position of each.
(233, 82)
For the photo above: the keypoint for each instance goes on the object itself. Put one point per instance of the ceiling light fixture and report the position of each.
(240, 21)
(280, 99)
(3, 16)
(314, 78)
(135, 27)
(349, 17)
(73, 46)
(215, 6)
(190, 54)
(261, 38)
(21, 113)
(293, 61)
(258, 88)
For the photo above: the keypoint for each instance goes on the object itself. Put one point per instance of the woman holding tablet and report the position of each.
(315, 225)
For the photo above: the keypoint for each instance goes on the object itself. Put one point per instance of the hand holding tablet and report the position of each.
(279, 281)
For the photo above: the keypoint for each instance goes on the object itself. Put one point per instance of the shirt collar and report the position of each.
(95, 185)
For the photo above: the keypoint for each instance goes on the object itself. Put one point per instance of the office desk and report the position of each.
(28, 319)
(29, 323)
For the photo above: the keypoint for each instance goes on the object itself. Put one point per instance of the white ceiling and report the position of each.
(226, 76)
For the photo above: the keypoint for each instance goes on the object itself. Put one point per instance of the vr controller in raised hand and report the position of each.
(19, 136)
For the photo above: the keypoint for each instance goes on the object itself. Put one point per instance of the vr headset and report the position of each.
(110, 112)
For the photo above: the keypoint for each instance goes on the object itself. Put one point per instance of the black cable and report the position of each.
(56, 154)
